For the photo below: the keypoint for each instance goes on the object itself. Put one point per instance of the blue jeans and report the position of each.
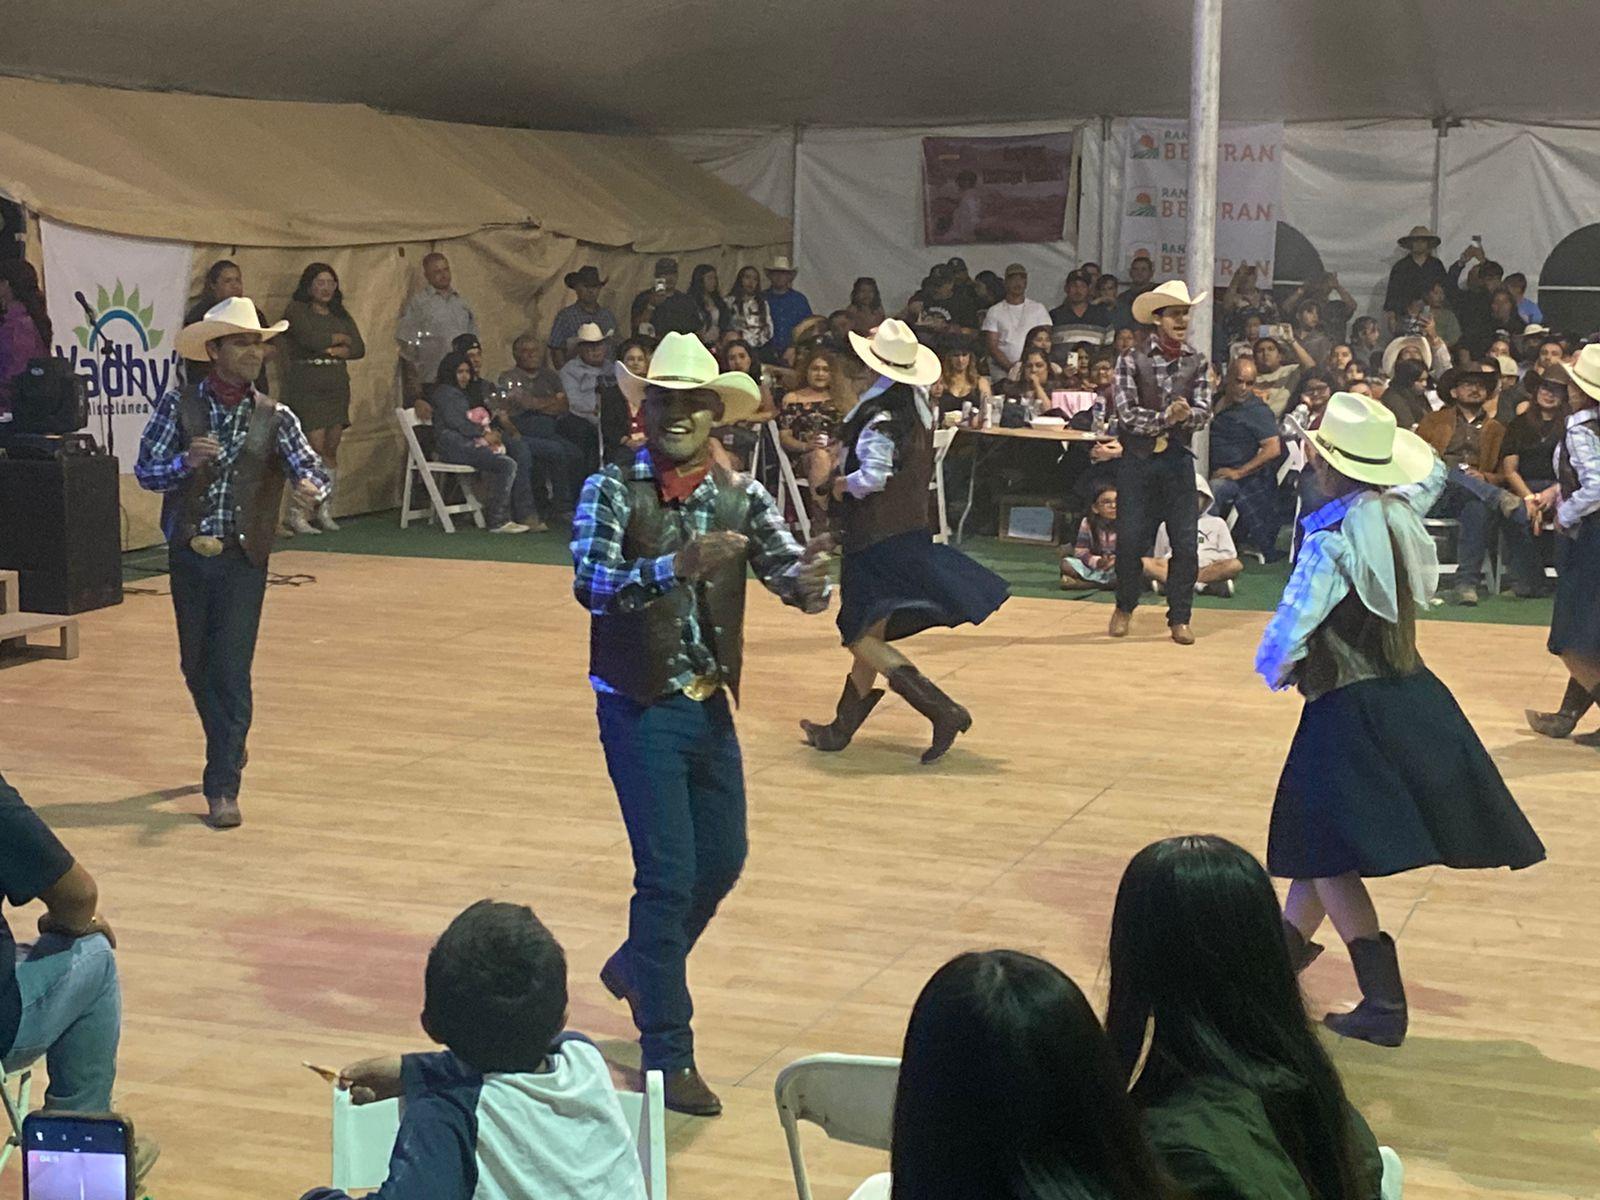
(1260, 513)
(218, 606)
(1475, 504)
(71, 1017)
(497, 471)
(680, 781)
(559, 460)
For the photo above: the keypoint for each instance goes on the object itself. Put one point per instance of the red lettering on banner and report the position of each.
(1174, 208)
(1227, 210)
(1264, 152)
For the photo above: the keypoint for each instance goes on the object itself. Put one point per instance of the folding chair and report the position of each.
(15, 1089)
(849, 1095)
(791, 485)
(943, 438)
(364, 1135)
(419, 466)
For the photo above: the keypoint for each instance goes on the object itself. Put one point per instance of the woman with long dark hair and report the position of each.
(1239, 1097)
(705, 291)
(321, 339)
(748, 311)
(224, 280)
(866, 306)
(1009, 1091)
(464, 433)
(895, 580)
(24, 325)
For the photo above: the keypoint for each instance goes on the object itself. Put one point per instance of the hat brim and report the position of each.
(1590, 388)
(924, 369)
(1432, 239)
(1391, 352)
(1410, 460)
(191, 340)
(1143, 311)
(739, 393)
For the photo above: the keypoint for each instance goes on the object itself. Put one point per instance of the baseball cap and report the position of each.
(1015, 269)
(957, 263)
(666, 266)
(941, 273)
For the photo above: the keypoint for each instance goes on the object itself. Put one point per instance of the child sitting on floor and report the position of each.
(1219, 558)
(512, 1107)
(1092, 561)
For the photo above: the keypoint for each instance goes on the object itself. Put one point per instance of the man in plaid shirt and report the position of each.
(660, 549)
(220, 452)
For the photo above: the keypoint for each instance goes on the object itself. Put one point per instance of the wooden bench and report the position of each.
(16, 627)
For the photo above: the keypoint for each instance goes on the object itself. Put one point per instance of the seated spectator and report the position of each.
(808, 335)
(1102, 373)
(1530, 446)
(1086, 321)
(1432, 354)
(1340, 356)
(1275, 378)
(748, 312)
(1308, 331)
(1513, 397)
(1141, 279)
(1245, 299)
(1033, 384)
(706, 292)
(1445, 321)
(1042, 338)
(585, 283)
(1122, 341)
(1105, 293)
(512, 1106)
(24, 326)
(462, 434)
(808, 419)
(865, 310)
(1517, 284)
(621, 420)
(1091, 272)
(960, 383)
(1406, 396)
(838, 328)
(739, 441)
(1367, 342)
(1504, 320)
(59, 996)
(1219, 559)
(1336, 303)
(1245, 452)
(561, 445)
(581, 376)
(1092, 561)
(1009, 1089)
(1239, 1098)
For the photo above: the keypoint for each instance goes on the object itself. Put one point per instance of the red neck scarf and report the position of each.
(675, 481)
(1169, 350)
(229, 395)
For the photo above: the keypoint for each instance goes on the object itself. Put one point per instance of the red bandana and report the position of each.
(1170, 350)
(229, 395)
(675, 482)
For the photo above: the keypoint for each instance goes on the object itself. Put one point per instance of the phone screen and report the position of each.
(75, 1158)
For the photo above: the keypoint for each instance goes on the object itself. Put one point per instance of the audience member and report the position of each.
(866, 306)
(739, 440)
(621, 419)
(965, 292)
(321, 339)
(1034, 383)
(585, 283)
(1245, 452)
(1086, 321)
(1008, 1088)
(960, 382)
(1218, 558)
(1413, 275)
(1007, 322)
(808, 419)
(224, 280)
(1244, 299)
(1275, 378)
(706, 292)
(838, 328)
(1308, 331)
(1240, 1099)
(661, 308)
(1105, 295)
(1513, 396)
(1531, 443)
(1336, 303)
(1472, 288)
(1530, 312)
(1041, 338)
(430, 321)
(1445, 321)
(463, 434)
(1406, 396)
(748, 312)
(1141, 278)
(1092, 561)
(1366, 341)
(560, 444)
(24, 326)
(581, 376)
(786, 306)
(512, 1106)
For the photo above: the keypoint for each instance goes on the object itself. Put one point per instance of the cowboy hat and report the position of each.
(1359, 439)
(1486, 373)
(589, 332)
(233, 315)
(1508, 366)
(1174, 293)
(682, 363)
(781, 263)
(1533, 330)
(588, 276)
(1391, 352)
(1418, 233)
(894, 352)
(1585, 370)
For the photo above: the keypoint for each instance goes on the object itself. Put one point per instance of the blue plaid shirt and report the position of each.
(163, 467)
(606, 582)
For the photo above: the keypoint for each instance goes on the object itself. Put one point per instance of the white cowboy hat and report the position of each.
(1391, 352)
(682, 363)
(781, 263)
(893, 351)
(1585, 370)
(1359, 438)
(233, 315)
(1174, 293)
(1508, 366)
(589, 332)
(1534, 330)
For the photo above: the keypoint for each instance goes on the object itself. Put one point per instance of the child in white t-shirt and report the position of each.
(1219, 558)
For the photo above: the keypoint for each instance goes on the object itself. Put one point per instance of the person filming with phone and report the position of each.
(59, 996)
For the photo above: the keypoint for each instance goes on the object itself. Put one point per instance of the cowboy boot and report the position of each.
(1559, 724)
(1302, 950)
(324, 514)
(852, 710)
(299, 516)
(1381, 1016)
(949, 718)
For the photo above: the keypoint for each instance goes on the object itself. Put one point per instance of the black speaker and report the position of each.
(61, 531)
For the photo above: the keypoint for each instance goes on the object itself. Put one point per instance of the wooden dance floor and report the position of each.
(425, 737)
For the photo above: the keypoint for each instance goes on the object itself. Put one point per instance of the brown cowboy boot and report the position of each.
(1381, 1017)
(853, 709)
(949, 718)
(1302, 951)
(1559, 724)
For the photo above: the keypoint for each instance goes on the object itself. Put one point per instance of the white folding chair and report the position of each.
(15, 1089)
(791, 485)
(849, 1095)
(419, 466)
(1394, 1174)
(943, 438)
(364, 1135)
(1444, 530)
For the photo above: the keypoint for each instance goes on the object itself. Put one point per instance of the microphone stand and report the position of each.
(108, 425)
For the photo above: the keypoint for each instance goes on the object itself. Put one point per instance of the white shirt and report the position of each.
(1012, 322)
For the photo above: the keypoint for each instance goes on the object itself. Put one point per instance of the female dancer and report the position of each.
(1385, 774)
(895, 580)
(1575, 502)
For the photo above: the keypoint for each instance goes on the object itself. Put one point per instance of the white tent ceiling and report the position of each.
(675, 64)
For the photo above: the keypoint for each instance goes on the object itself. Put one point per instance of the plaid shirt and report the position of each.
(606, 582)
(1151, 422)
(163, 467)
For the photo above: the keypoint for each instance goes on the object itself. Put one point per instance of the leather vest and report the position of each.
(902, 505)
(257, 480)
(1566, 473)
(1191, 367)
(638, 650)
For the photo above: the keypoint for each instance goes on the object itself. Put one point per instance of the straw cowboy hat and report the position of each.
(1487, 374)
(1359, 438)
(682, 363)
(1391, 352)
(894, 352)
(1585, 371)
(781, 263)
(234, 315)
(1418, 233)
(1174, 293)
(589, 332)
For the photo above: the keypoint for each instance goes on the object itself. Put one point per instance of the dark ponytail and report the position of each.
(24, 283)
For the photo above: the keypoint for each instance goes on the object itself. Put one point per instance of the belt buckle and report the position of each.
(1162, 443)
(702, 687)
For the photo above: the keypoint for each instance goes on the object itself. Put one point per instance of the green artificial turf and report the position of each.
(1030, 570)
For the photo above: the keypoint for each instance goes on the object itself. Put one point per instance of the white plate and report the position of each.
(1048, 422)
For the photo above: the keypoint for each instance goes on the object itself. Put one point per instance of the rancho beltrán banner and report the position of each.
(137, 290)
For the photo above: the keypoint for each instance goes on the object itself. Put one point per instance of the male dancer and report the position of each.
(660, 547)
(220, 449)
(1162, 394)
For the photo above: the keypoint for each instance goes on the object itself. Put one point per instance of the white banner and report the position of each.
(137, 291)
(1155, 197)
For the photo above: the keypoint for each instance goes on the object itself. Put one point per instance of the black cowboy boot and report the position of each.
(853, 709)
(1302, 951)
(949, 718)
(1559, 724)
(1381, 1016)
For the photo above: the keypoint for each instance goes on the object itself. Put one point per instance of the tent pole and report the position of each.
(1442, 125)
(1204, 89)
(794, 197)
(1106, 248)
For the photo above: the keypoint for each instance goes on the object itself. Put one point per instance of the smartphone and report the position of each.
(661, 286)
(77, 1156)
